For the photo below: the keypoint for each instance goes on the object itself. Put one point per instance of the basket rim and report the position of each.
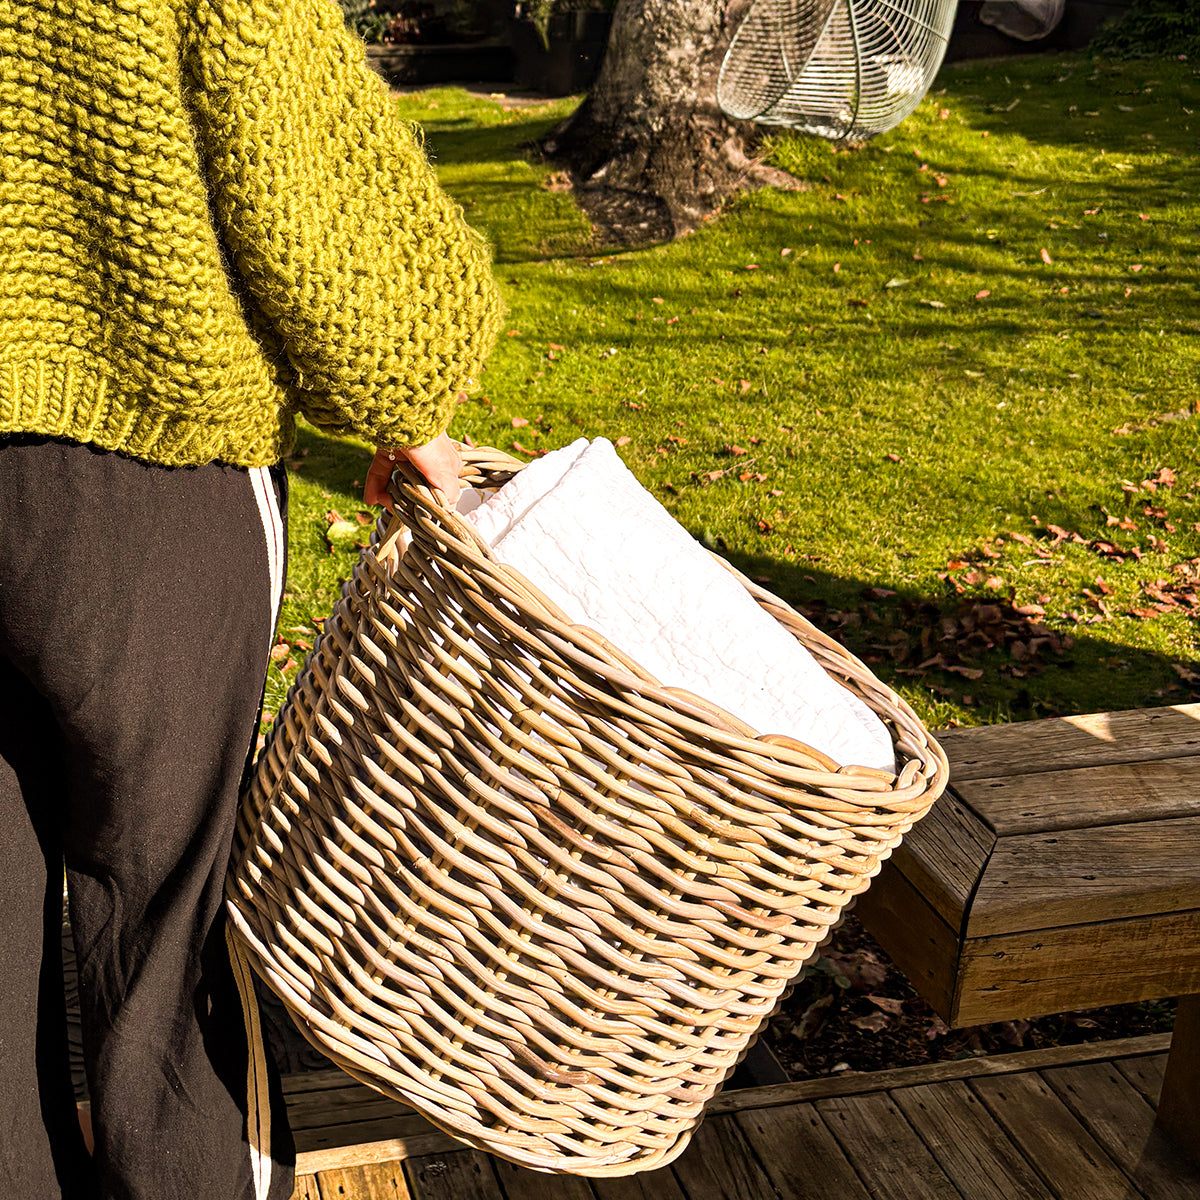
(415, 499)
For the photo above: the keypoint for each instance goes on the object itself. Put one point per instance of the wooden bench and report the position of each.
(1060, 871)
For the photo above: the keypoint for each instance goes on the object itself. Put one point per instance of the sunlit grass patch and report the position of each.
(883, 394)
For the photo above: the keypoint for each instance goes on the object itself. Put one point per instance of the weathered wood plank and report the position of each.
(1144, 1073)
(1086, 797)
(1065, 1155)
(1117, 1115)
(315, 1081)
(306, 1188)
(854, 1083)
(889, 1157)
(943, 858)
(339, 1132)
(339, 1122)
(915, 937)
(405, 1127)
(719, 1165)
(1081, 966)
(520, 1183)
(370, 1146)
(1137, 735)
(968, 1144)
(647, 1185)
(316, 1109)
(1077, 876)
(1179, 1101)
(375, 1181)
(800, 1155)
(465, 1175)
(349, 1092)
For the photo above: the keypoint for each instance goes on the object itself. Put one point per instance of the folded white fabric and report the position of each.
(579, 526)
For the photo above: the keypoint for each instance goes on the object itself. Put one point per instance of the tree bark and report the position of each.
(650, 153)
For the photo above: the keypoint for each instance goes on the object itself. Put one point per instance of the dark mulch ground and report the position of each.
(854, 1011)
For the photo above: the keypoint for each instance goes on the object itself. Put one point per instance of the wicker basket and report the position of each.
(497, 872)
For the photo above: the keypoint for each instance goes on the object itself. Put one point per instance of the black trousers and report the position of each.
(137, 607)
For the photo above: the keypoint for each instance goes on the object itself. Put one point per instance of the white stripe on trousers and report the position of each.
(268, 510)
(258, 1100)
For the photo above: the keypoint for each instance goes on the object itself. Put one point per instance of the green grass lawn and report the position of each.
(945, 399)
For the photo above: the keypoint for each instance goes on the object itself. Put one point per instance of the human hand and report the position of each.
(438, 461)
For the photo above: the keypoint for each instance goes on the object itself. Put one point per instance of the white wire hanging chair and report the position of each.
(839, 69)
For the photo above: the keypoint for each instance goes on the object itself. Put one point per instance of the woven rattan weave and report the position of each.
(496, 871)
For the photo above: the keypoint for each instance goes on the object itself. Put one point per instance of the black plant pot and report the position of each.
(425, 66)
(570, 62)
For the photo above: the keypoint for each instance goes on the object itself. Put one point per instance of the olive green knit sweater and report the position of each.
(210, 219)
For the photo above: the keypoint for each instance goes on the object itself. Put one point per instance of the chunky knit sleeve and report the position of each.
(380, 294)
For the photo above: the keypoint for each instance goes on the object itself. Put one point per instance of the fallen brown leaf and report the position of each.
(871, 1023)
(813, 1016)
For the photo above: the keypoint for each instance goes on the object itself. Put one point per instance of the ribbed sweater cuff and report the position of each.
(69, 401)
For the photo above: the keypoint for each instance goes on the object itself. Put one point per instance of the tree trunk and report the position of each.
(650, 154)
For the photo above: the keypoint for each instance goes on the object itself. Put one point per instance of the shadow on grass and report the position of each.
(975, 650)
(463, 140)
(1079, 100)
(947, 653)
(330, 463)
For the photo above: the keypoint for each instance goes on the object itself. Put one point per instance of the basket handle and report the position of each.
(483, 466)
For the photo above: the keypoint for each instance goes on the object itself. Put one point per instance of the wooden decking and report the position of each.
(1073, 1123)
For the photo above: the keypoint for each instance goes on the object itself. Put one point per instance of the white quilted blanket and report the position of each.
(579, 526)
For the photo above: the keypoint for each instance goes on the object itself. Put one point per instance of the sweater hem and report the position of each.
(57, 401)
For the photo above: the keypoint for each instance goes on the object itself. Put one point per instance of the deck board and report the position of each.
(649, 1185)
(464, 1175)
(1121, 1120)
(1067, 1123)
(799, 1154)
(520, 1183)
(1145, 1073)
(885, 1150)
(379, 1181)
(720, 1165)
(1066, 1156)
(341, 1106)
(973, 1151)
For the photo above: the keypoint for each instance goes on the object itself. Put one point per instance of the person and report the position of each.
(211, 222)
